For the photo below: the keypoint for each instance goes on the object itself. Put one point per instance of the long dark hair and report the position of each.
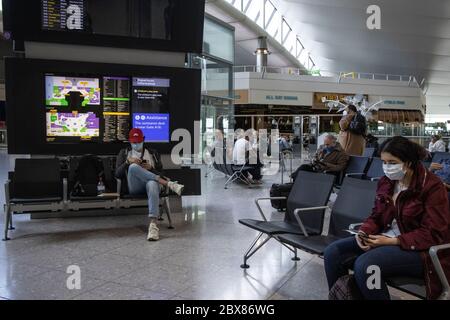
(404, 149)
(353, 108)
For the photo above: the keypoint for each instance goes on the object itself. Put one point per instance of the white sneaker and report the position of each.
(176, 187)
(153, 232)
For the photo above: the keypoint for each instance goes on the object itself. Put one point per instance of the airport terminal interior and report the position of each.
(224, 150)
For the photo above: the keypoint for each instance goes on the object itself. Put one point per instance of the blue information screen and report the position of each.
(155, 126)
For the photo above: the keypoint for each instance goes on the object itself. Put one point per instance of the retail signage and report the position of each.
(394, 102)
(318, 97)
(286, 98)
(282, 98)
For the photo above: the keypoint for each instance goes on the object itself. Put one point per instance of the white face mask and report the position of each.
(137, 146)
(394, 171)
(345, 112)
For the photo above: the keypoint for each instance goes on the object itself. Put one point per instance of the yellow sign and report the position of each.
(318, 96)
(116, 113)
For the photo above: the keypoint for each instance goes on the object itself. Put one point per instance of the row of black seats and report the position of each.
(371, 168)
(38, 185)
(303, 224)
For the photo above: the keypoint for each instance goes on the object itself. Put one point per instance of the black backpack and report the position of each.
(88, 172)
(358, 124)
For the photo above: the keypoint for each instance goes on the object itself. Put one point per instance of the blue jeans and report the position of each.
(141, 181)
(392, 261)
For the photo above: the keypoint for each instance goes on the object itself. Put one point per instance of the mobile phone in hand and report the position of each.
(363, 236)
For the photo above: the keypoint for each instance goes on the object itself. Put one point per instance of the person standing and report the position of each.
(353, 129)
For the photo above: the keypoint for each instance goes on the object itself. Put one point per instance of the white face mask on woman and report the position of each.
(345, 113)
(394, 172)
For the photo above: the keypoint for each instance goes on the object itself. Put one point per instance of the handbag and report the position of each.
(345, 288)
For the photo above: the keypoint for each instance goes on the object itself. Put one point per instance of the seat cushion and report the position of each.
(97, 198)
(414, 286)
(314, 244)
(239, 168)
(134, 196)
(274, 227)
(142, 196)
(35, 200)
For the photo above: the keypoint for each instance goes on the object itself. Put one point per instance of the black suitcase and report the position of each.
(280, 190)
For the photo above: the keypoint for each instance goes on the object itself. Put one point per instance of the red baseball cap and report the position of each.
(136, 136)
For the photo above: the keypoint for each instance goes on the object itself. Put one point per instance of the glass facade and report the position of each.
(218, 40)
(216, 63)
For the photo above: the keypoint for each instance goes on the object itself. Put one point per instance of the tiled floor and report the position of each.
(200, 259)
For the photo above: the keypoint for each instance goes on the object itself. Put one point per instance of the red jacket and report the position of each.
(423, 216)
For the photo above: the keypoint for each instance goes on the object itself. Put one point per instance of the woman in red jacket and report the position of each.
(411, 214)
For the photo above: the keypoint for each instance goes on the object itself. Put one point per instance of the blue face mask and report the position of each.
(137, 146)
(328, 149)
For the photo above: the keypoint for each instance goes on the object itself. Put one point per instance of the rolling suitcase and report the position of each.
(280, 190)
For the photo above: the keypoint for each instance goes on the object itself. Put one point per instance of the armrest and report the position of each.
(65, 190)
(261, 199)
(354, 174)
(7, 194)
(445, 295)
(355, 227)
(299, 220)
(119, 186)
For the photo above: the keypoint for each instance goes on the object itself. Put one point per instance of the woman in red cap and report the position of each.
(141, 167)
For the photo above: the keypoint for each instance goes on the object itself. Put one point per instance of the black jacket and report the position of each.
(122, 165)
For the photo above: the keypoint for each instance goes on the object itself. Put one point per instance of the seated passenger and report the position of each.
(436, 144)
(141, 168)
(442, 170)
(329, 157)
(410, 215)
(284, 144)
(245, 153)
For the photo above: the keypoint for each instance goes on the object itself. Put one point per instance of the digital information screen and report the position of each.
(103, 108)
(154, 126)
(116, 108)
(62, 15)
(67, 91)
(83, 125)
(151, 108)
(151, 95)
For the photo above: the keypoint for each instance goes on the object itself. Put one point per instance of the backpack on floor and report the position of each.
(358, 124)
(87, 176)
(280, 190)
(345, 288)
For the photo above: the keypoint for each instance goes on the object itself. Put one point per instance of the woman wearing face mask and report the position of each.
(411, 214)
(141, 168)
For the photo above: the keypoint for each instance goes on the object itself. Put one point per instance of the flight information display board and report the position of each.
(116, 108)
(62, 15)
(167, 25)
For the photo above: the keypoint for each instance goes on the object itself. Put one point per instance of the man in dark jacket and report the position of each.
(141, 169)
(329, 157)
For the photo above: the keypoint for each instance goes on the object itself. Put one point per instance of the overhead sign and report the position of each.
(280, 98)
(318, 97)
